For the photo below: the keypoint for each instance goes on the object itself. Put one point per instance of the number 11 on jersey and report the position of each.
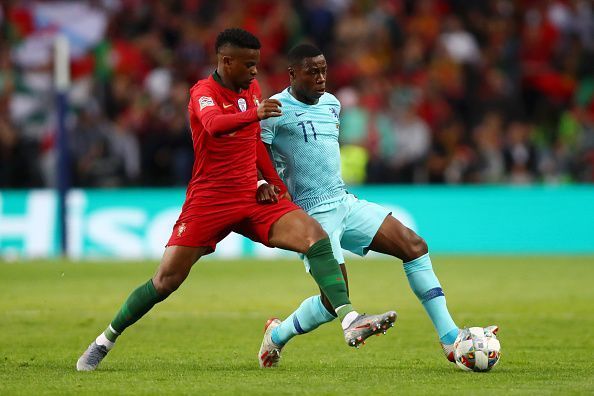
(313, 129)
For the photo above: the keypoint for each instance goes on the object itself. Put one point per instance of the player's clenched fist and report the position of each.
(269, 108)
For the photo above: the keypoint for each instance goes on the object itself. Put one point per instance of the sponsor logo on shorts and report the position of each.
(180, 229)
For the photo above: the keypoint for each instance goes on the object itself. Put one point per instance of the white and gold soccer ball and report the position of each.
(477, 349)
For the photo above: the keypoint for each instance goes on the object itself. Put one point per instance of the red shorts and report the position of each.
(206, 224)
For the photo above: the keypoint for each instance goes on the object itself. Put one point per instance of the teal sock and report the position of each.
(139, 302)
(426, 287)
(309, 316)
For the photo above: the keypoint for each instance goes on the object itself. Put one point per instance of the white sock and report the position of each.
(348, 319)
(102, 340)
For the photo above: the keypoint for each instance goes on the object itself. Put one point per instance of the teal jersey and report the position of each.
(305, 150)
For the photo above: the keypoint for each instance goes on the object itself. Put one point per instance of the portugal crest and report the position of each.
(242, 104)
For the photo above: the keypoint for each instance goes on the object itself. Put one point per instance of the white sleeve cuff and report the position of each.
(260, 182)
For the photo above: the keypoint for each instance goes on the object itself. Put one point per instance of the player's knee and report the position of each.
(416, 246)
(314, 232)
(165, 284)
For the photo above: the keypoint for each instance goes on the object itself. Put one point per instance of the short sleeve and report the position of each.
(268, 129)
(336, 102)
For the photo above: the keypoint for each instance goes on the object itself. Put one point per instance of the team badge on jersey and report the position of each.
(334, 113)
(205, 101)
(242, 104)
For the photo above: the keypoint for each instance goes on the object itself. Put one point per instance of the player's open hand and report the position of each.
(267, 193)
(269, 108)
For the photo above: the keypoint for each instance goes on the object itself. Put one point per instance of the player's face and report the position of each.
(240, 66)
(309, 79)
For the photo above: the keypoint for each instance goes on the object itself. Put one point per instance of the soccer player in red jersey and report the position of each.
(225, 195)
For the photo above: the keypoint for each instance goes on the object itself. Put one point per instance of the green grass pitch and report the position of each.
(204, 339)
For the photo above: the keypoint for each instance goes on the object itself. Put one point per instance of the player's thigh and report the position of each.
(203, 224)
(362, 224)
(175, 266)
(196, 233)
(332, 219)
(295, 231)
(397, 240)
(260, 219)
(331, 216)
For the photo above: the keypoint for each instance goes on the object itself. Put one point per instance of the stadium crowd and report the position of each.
(432, 91)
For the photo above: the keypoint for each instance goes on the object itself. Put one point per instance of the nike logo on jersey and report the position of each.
(226, 106)
(299, 114)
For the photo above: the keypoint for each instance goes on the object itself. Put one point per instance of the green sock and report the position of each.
(138, 303)
(326, 272)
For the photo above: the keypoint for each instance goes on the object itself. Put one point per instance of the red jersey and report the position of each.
(225, 130)
(221, 195)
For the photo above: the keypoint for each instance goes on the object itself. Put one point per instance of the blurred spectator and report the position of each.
(403, 162)
(488, 138)
(459, 44)
(18, 165)
(451, 156)
(437, 91)
(104, 154)
(519, 154)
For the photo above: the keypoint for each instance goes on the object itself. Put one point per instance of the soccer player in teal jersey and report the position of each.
(303, 143)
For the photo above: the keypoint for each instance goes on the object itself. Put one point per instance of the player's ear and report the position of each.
(291, 72)
(227, 60)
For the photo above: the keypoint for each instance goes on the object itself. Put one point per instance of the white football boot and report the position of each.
(270, 353)
(91, 358)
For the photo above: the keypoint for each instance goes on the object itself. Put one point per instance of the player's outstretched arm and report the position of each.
(218, 124)
(205, 106)
(265, 167)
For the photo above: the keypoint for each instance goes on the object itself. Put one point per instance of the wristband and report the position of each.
(260, 182)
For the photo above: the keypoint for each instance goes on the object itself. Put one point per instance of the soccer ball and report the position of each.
(477, 349)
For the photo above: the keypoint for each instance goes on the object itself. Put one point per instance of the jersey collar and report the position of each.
(217, 77)
(297, 101)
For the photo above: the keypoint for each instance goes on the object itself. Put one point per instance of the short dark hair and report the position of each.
(238, 38)
(302, 51)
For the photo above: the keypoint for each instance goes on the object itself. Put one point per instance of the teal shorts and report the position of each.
(351, 224)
